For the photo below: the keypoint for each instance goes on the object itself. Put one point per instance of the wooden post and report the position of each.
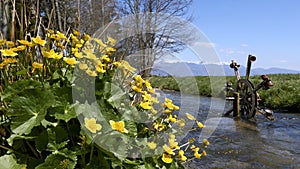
(236, 104)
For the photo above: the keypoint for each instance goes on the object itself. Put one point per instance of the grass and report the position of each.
(284, 95)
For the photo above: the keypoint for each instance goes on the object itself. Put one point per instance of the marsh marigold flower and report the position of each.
(181, 155)
(70, 61)
(146, 105)
(39, 41)
(37, 65)
(172, 119)
(151, 145)
(91, 125)
(8, 52)
(118, 125)
(200, 125)
(167, 158)
(189, 116)
(205, 142)
(168, 149)
(91, 73)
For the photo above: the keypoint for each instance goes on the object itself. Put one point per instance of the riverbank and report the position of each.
(284, 95)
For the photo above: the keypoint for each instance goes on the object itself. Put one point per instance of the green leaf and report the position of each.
(18, 87)
(29, 110)
(42, 141)
(116, 92)
(8, 162)
(64, 159)
(66, 113)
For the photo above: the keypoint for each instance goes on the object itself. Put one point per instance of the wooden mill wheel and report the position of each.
(248, 97)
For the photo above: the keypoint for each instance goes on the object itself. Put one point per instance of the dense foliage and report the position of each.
(67, 103)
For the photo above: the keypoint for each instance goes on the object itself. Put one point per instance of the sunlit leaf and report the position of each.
(8, 162)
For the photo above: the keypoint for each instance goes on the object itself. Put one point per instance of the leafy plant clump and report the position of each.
(67, 103)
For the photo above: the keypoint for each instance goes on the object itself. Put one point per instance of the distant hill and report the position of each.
(182, 69)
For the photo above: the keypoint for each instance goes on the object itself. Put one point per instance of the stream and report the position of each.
(241, 143)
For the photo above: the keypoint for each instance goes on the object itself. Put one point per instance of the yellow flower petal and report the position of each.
(167, 158)
(206, 142)
(70, 61)
(152, 145)
(8, 52)
(91, 125)
(119, 126)
(200, 125)
(189, 116)
(146, 105)
(168, 149)
(39, 41)
(181, 155)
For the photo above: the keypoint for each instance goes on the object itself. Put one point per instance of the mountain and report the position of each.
(181, 69)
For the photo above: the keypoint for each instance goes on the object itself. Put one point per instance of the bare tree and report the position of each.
(154, 30)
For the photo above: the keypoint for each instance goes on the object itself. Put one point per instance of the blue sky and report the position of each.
(269, 29)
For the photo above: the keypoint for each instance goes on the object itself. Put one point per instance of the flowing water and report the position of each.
(241, 143)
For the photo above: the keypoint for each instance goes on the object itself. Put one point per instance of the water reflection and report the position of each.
(243, 144)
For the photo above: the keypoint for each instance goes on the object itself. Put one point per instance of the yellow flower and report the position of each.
(9, 60)
(116, 63)
(70, 61)
(167, 111)
(194, 148)
(74, 50)
(189, 116)
(146, 105)
(206, 142)
(158, 126)
(37, 65)
(173, 144)
(181, 122)
(152, 145)
(21, 47)
(91, 125)
(105, 58)
(168, 149)
(167, 158)
(125, 66)
(83, 66)
(2, 42)
(78, 55)
(39, 41)
(78, 45)
(8, 52)
(2, 65)
(197, 155)
(111, 41)
(61, 35)
(86, 37)
(91, 73)
(24, 42)
(137, 89)
(181, 155)
(10, 44)
(100, 69)
(172, 119)
(48, 54)
(138, 78)
(75, 32)
(89, 54)
(57, 56)
(110, 50)
(204, 153)
(149, 87)
(200, 125)
(119, 126)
